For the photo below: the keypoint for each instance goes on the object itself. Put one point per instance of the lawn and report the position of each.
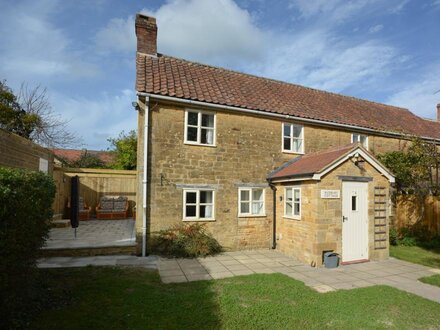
(416, 254)
(433, 280)
(117, 298)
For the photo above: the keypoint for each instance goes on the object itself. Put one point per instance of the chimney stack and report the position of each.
(146, 34)
(438, 111)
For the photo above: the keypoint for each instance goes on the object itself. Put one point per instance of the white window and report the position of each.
(293, 138)
(251, 202)
(199, 127)
(361, 138)
(198, 205)
(292, 202)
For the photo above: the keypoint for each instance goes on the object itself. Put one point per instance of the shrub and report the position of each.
(25, 209)
(185, 241)
(393, 236)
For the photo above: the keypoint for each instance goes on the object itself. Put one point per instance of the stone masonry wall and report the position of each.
(247, 149)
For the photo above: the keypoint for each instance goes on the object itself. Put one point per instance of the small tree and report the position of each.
(87, 160)
(124, 148)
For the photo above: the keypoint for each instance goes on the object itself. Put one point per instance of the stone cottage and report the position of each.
(263, 163)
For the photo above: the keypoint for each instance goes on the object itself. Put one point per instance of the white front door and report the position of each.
(354, 221)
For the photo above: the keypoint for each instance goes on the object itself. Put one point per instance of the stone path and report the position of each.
(149, 262)
(396, 273)
(93, 234)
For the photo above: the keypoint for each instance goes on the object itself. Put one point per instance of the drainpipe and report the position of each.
(274, 216)
(144, 178)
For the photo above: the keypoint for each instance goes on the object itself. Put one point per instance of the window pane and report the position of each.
(297, 131)
(207, 136)
(286, 129)
(190, 211)
(353, 203)
(244, 195)
(207, 120)
(191, 197)
(289, 194)
(205, 196)
(297, 145)
(257, 194)
(193, 118)
(257, 208)
(355, 138)
(286, 145)
(296, 195)
(244, 207)
(191, 134)
(364, 140)
(288, 208)
(205, 211)
(297, 209)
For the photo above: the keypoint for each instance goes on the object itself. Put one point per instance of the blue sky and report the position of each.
(83, 51)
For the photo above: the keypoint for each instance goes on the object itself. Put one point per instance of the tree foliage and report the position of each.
(29, 114)
(416, 168)
(124, 148)
(87, 160)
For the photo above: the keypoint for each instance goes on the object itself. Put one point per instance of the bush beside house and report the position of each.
(26, 199)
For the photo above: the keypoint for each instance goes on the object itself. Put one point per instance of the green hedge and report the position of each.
(26, 199)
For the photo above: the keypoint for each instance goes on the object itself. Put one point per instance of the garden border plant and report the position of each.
(26, 199)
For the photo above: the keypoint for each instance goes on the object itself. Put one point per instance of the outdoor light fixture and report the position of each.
(359, 162)
(135, 105)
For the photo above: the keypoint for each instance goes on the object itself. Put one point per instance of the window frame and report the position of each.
(293, 216)
(301, 152)
(250, 214)
(360, 134)
(197, 204)
(199, 128)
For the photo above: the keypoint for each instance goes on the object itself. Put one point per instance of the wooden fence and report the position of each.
(409, 210)
(94, 183)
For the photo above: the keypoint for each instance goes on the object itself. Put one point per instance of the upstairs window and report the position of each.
(198, 205)
(293, 138)
(251, 202)
(292, 203)
(360, 138)
(199, 127)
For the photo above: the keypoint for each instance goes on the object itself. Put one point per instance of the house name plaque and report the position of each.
(329, 194)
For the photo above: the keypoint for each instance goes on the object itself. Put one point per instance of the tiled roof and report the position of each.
(72, 155)
(312, 163)
(169, 76)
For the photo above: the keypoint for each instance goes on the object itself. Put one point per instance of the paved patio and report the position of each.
(93, 234)
(396, 273)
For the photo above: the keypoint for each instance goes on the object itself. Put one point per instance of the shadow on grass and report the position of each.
(136, 300)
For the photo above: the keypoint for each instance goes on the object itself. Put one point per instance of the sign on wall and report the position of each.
(330, 194)
(44, 165)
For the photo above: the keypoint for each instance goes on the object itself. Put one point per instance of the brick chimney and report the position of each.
(146, 34)
(438, 111)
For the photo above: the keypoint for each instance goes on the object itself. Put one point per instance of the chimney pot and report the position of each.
(146, 34)
(438, 111)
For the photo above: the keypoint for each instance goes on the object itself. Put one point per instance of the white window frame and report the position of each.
(199, 128)
(359, 134)
(250, 214)
(197, 204)
(293, 216)
(300, 152)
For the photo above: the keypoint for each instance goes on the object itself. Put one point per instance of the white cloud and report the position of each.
(421, 95)
(192, 29)
(375, 28)
(98, 118)
(34, 49)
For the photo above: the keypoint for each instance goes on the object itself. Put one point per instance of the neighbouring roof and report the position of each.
(307, 166)
(169, 76)
(72, 155)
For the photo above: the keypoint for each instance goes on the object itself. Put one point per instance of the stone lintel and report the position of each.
(355, 178)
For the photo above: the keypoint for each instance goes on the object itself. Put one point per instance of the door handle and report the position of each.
(344, 219)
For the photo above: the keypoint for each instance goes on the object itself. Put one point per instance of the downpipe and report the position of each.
(144, 178)
(274, 215)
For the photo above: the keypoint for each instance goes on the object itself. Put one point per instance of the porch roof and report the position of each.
(314, 165)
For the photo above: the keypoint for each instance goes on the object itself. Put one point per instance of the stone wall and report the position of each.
(18, 152)
(247, 148)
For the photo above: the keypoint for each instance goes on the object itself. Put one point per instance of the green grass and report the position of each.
(112, 298)
(433, 280)
(418, 255)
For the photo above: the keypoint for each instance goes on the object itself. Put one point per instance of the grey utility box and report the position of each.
(331, 260)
